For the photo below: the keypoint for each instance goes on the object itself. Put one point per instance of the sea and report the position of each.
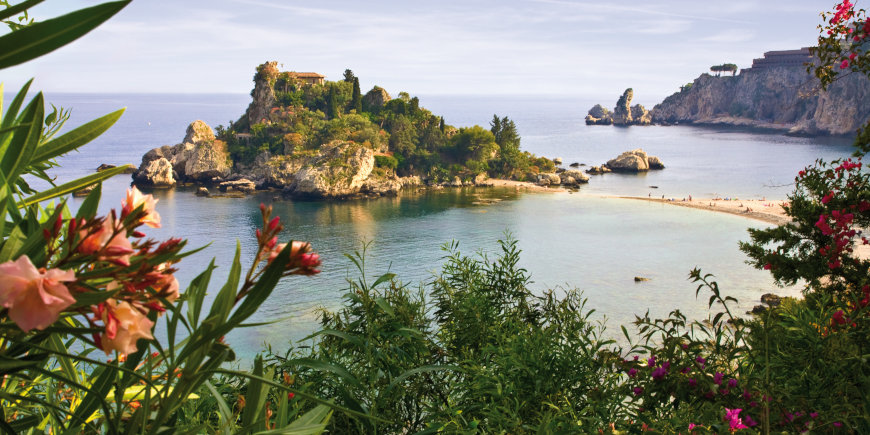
(590, 240)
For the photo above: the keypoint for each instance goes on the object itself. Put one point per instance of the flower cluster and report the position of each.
(108, 260)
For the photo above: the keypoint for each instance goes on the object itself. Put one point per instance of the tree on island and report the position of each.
(356, 96)
(726, 67)
(348, 76)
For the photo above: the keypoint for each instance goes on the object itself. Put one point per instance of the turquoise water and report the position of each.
(578, 240)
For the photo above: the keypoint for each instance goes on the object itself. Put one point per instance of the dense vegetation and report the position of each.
(306, 116)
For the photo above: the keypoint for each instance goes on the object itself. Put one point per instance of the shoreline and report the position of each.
(766, 211)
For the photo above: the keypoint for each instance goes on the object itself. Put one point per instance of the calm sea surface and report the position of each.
(581, 240)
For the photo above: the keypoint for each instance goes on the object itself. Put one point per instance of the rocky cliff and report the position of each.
(781, 98)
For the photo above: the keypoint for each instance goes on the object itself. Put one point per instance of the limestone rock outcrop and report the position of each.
(623, 114)
(573, 177)
(155, 173)
(549, 179)
(338, 170)
(263, 94)
(622, 111)
(200, 158)
(640, 116)
(599, 115)
(780, 98)
(375, 98)
(633, 161)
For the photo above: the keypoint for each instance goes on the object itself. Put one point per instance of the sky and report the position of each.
(589, 49)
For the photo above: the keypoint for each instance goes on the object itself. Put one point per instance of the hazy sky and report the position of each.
(593, 49)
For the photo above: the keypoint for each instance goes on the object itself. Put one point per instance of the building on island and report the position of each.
(784, 58)
(311, 78)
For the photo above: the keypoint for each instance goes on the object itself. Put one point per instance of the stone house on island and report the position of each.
(311, 78)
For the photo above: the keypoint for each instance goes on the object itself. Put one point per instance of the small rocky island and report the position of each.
(308, 137)
(623, 114)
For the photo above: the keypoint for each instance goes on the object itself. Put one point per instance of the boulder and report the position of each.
(574, 165)
(655, 162)
(207, 161)
(339, 169)
(622, 111)
(595, 170)
(202, 191)
(457, 182)
(557, 161)
(599, 115)
(198, 132)
(640, 116)
(629, 161)
(155, 173)
(388, 186)
(549, 179)
(634, 161)
(243, 185)
(375, 98)
(640, 279)
(572, 177)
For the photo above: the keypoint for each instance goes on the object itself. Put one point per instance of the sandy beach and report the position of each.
(767, 211)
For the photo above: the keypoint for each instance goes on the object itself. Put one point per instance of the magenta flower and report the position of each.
(838, 424)
(750, 422)
(732, 383)
(651, 361)
(693, 382)
(632, 373)
(638, 391)
(844, 64)
(732, 416)
(717, 378)
(659, 373)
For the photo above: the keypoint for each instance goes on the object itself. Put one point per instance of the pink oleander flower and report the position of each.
(638, 391)
(111, 248)
(34, 297)
(125, 324)
(168, 283)
(135, 198)
(732, 416)
(717, 378)
(844, 64)
(632, 372)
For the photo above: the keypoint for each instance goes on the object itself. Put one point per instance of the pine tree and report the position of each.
(356, 98)
(442, 125)
(348, 75)
(331, 104)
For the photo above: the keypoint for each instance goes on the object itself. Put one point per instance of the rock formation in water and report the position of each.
(198, 158)
(785, 98)
(623, 114)
(634, 161)
(599, 115)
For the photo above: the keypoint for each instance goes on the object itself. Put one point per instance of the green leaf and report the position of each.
(383, 278)
(224, 409)
(46, 36)
(17, 153)
(255, 397)
(418, 370)
(11, 11)
(196, 294)
(12, 112)
(326, 367)
(72, 186)
(103, 378)
(381, 302)
(263, 288)
(76, 138)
